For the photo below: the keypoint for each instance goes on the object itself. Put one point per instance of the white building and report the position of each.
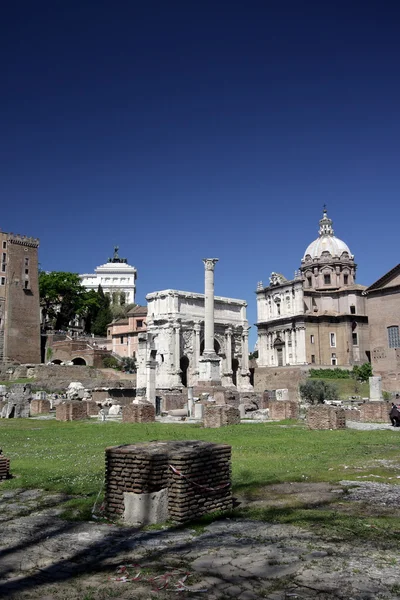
(116, 277)
(175, 340)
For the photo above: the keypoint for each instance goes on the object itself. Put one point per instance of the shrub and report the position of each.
(316, 392)
(330, 373)
(109, 362)
(362, 373)
(128, 364)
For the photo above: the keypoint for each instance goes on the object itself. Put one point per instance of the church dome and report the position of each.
(326, 242)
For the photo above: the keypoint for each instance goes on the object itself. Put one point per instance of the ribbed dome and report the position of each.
(326, 242)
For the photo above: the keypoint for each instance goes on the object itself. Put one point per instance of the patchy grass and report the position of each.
(348, 387)
(20, 380)
(69, 457)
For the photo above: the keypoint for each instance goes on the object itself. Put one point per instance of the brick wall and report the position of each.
(122, 395)
(276, 378)
(283, 409)
(91, 407)
(219, 415)
(375, 412)
(4, 467)
(40, 407)
(71, 411)
(143, 412)
(173, 401)
(352, 414)
(200, 483)
(324, 416)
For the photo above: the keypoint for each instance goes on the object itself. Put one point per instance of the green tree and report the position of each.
(62, 297)
(316, 391)
(363, 372)
(103, 316)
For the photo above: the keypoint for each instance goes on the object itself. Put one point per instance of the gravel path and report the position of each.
(42, 556)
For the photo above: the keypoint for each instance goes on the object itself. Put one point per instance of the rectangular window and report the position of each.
(4, 245)
(26, 285)
(393, 336)
(332, 337)
(122, 339)
(3, 281)
(313, 358)
(139, 323)
(346, 279)
(3, 268)
(26, 261)
(352, 309)
(333, 359)
(26, 271)
(3, 257)
(327, 279)
(309, 281)
(312, 339)
(355, 339)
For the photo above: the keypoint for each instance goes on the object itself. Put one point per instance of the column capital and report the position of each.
(197, 326)
(228, 331)
(210, 263)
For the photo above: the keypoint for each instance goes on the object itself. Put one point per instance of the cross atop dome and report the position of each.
(325, 224)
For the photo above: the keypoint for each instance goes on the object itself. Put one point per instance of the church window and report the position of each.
(327, 279)
(355, 339)
(313, 358)
(332, 337)
(393, 335)
(333, 359)
(278, 308)
(352, 309)
(346, 279)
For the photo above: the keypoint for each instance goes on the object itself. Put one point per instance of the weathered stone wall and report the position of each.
(283, 409)
(91, 408)
(122, 395)
(276, 378)
(173, 401)
(200, 481)
(375, 412)
(219, 415)
(324, 416)
(143, 412)
(71, 411)
(4, 467)
(352, 414)
(40, 407)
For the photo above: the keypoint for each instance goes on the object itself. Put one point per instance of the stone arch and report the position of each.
(235, 369)
(56, 361)
(78, 360)
(217, 347)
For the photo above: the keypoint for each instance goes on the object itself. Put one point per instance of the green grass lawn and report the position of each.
(70, 457)
(348, 387)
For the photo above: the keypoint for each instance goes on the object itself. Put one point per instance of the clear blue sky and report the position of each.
(179, 130)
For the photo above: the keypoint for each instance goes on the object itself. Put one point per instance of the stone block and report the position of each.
(282, 394)
(40, 407)
(198, 411)
(283, 409)
(71, 411)
(140, 412)
(146, 509)
(375, 388)
(324, 416)
(220, 415)
(375, 412)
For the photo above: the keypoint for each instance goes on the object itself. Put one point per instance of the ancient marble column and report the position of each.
(209, 362)
(196, 349)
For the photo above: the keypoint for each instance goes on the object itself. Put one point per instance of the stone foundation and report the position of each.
(142, 412)
(4, 467)
(91, 408)
(352, 414)
(71, 411)
(326, 417)
(173, 402)
(40, 407)
(121, 396)
(219, 415)
(195, 475)
(283, 409)
(375, 412)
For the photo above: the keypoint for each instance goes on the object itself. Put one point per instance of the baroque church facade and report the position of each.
(319, 317)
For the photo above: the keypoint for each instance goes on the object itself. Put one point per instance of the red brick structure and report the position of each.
(19, 299)
(4, 467)
(219, 415)
(352, 414)
(324, 416)
(283, 409)
(79, 352)
(375, 412)
(91, 408)
(383, 300)
(142, 412)
(40, 407)
(71, 411)
(196, 474)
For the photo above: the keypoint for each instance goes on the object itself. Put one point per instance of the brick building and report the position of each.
(19, 299)
(383, 306)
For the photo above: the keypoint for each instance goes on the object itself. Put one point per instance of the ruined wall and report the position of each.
(40, 407)
(71, 411)
(275, 378)
(324, 416)
(196, 474)
(283, 409)
(375, 412)
(352, 414)
(220, 415)
(142, 412)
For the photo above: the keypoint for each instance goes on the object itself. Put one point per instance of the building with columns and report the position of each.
(175, 340)
(116, 277)
(319, 317)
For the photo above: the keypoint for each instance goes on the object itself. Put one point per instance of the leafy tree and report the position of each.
(128, 364)
(103, 316)
(317, 391)
(110, 362)
(363, 372)
(62, 297)
(120, 311)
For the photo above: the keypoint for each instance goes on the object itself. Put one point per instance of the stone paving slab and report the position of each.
(43, 556)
